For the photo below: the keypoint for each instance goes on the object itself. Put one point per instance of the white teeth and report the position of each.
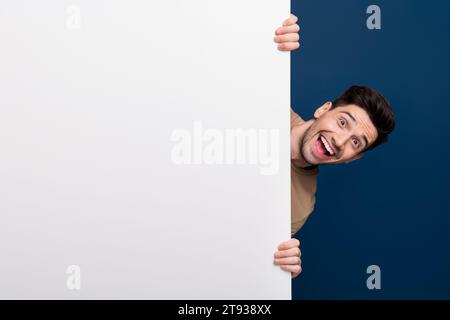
(327, 146)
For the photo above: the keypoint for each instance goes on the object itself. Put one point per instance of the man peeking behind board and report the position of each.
(340, 132)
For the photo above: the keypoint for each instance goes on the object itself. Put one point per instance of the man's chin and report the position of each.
(329, 161)
(311, 160)
(316, 161)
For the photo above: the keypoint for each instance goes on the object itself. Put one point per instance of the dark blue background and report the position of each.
(391, 207)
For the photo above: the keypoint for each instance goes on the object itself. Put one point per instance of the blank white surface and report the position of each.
(86, 177)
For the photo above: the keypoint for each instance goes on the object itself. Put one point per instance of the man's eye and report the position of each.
(356, 143)
(342, 122)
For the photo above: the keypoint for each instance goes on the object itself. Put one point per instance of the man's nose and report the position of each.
(340, 140)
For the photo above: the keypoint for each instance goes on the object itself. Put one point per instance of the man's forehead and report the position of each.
(362, 120)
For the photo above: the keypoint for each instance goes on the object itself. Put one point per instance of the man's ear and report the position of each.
(355, 157)
(322, 109)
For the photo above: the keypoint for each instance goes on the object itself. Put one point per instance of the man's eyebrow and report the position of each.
(350, 115)
(354, 120)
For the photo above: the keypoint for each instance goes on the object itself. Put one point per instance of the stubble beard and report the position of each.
(303, 147)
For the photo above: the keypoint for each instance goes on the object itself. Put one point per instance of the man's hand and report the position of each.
(288, 257)
(287, 35)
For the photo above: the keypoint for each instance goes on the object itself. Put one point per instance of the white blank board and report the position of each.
(95, 99)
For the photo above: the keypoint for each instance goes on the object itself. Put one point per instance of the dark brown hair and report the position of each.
(376, 106)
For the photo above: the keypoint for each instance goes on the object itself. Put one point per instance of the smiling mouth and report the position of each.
(324, 147)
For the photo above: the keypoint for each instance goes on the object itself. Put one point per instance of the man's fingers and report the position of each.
(288, 29)
(292, 243)
(290, 37)
(288, 46)
(293, 252)
(295, 269)
(291, 20)
(288, 261)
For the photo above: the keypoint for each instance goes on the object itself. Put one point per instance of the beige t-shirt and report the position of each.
(303, 189)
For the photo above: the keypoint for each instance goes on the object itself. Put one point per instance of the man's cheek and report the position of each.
(348, 158)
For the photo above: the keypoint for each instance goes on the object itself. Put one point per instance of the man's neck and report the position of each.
(297, 134)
